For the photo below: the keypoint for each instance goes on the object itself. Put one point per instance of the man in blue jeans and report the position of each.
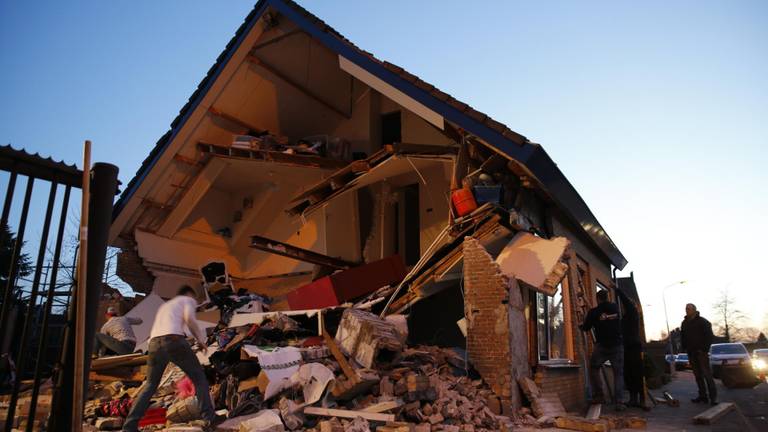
(168, 344)
(606, 320)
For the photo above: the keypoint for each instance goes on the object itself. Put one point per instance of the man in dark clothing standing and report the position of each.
(696, 334)
(633, 349)
(606, 321)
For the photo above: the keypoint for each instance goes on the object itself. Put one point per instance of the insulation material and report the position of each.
(535, 262)
(264, 421)
(277, 367)
(146, 311)
(313, 379)
(367, 338)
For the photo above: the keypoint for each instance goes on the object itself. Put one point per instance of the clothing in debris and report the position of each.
(633, 348)
(606, 321)
(696, 337)
(168, 344)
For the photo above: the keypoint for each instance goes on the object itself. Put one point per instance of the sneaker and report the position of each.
(700, 399)
(620, 407)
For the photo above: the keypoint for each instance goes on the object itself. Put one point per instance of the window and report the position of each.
(550, 325)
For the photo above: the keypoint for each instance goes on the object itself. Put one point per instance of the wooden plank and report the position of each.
(297, 253)
(581, 424)
(327, 412)
(339, 356)
(383, 406)
(711, 415)
(309, 93)
(594, 412)
(135, 359)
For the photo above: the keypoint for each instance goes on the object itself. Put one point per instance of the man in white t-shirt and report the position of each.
(167, 343)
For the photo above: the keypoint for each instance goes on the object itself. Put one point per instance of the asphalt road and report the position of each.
(751, 415)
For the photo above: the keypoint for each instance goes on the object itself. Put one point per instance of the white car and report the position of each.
(728, 354)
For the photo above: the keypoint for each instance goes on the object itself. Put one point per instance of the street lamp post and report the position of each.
(666, 318)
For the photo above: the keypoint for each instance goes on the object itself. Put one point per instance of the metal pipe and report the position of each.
(12, 271)
(8, 198)
(21, 362)
(48, 305)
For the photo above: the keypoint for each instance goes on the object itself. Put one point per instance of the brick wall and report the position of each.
(566, 382)
(130, 269)
(496, 327)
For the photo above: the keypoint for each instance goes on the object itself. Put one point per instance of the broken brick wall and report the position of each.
(130, 268)
(496, 327)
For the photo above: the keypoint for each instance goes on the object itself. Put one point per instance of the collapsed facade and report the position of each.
(301, 155)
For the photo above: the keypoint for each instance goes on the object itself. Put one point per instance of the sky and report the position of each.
(657, 112)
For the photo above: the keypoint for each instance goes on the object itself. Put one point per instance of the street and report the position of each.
(751, 415)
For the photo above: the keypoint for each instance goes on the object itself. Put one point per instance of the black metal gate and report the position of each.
(37, 311)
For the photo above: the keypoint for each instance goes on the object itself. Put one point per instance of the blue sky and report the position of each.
(656, 111)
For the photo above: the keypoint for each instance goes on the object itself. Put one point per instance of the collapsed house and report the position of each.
(319, 176)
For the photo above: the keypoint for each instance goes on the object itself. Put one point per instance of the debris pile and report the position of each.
(282, 374)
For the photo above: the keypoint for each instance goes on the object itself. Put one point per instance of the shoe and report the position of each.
(620, 407)
(713, 402)
(699, 399)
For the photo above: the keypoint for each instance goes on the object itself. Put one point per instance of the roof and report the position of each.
(490, 131)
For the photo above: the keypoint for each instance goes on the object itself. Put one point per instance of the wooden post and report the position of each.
(82, 266)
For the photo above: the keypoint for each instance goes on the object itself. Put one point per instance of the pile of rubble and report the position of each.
(280, 375)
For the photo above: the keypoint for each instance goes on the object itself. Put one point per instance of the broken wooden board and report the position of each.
(328, 412)
(383, 406)
(581, 424)
(713, 414)
(617, 422)
(110, 362)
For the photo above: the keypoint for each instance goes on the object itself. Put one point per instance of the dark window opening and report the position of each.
(391, 128)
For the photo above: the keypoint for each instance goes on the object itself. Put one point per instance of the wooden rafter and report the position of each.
(274, 71)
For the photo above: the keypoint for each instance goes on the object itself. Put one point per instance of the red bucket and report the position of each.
(463, 201)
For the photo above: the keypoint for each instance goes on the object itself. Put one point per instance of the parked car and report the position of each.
(681, 361)
(728, 355)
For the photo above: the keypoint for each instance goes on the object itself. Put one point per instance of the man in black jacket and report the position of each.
(696, 334)
(606, 320)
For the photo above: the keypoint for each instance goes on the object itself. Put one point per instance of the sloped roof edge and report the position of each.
(488, 130)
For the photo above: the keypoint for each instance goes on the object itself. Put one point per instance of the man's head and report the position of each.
(690, 309)
(188, 291)
(111, 312)
(602, 296)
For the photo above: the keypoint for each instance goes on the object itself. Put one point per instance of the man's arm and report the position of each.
(589, 321)
(191, 322)
(683, 338)
(708, 335)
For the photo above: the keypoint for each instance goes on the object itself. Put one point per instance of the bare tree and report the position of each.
(728, 319)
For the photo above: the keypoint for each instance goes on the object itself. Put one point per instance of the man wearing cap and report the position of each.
(116, 334)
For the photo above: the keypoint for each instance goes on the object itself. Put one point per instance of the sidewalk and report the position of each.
(751, 415)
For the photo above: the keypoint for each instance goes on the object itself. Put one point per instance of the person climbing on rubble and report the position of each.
(116, 335)
(696, 337)
(167, 343)
(606, 320)
(633, 349)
